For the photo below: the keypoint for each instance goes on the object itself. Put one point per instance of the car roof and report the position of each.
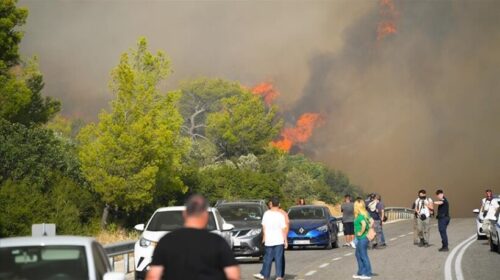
(308, 206)
(177, 208)
(240, 203)
(46, 240)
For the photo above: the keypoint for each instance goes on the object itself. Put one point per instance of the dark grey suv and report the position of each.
(246, 216)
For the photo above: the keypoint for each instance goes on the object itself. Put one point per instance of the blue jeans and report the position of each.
(442, 226)
(275, 253)
(364, 266)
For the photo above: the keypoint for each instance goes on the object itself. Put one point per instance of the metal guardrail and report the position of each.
(399, 213)
(120, 250)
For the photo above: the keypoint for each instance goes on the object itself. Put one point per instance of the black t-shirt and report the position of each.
(444, 209)
(193, 254)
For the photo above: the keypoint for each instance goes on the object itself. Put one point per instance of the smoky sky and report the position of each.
(419, 108)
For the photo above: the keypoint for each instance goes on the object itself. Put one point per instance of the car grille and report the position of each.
(237, 233)
(301, 231)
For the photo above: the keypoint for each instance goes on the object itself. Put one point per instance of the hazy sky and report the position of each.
(419, 108)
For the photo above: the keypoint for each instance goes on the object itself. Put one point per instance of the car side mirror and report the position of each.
(114, 276)
(227, 227)
(139, 227)
(475, 211)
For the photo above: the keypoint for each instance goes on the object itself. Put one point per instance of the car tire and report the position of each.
(493, 247)
(329, 246)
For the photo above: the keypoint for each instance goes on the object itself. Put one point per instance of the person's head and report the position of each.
(302, 201)
(422, 194)
(373, 196)
(440, 194)
(347, 198)
(489, 193)
(196, 213)
(275, 202)
(379, 197)
(360, 208)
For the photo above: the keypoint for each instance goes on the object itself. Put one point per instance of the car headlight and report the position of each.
(322, 228)
(143, 242)
(255, 231)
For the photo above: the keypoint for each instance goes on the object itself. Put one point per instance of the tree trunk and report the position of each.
(104, 218)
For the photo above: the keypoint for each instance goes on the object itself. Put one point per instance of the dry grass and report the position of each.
(334, 209)
(116, 235)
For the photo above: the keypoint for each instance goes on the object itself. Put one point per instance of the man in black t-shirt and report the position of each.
(193, 253)
(443, 216)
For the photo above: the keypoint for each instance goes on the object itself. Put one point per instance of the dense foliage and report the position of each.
(152, 148)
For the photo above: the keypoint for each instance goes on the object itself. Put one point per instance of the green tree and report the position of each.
(11, 17)
(132, 156)
(243, 125)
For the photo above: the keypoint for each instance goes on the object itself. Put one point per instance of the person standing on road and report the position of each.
(373, 210)
(193, 252)
(361, 227)
(485, 207)
(383, 219)
(423, 208)
(347, 209)
(491, 216)
(443, 216)
(275, 231)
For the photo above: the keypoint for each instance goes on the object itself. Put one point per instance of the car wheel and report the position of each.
(493, 247)
(329, 246)
(336, 243)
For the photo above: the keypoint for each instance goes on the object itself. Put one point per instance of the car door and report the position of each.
(220, 222)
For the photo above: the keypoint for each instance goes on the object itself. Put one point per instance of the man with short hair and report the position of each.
(373, 207)
(275, 231)
(347, 209)
(423, 208)
(491, 215)
(443, 217)
(193, 252)
(486, 204)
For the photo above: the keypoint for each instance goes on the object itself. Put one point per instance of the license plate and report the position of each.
(236, 242)
(302, 242)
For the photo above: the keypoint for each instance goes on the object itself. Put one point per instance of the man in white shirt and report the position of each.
(491, 215)
(275, 230)
(486, 204)
(423, 208)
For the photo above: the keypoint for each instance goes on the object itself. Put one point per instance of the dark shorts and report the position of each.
(348, 228)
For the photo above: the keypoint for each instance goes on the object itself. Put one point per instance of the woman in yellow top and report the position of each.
(361, 227)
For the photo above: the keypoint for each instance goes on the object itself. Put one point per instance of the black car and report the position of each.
(246, 216)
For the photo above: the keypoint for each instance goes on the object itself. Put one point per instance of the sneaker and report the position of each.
(365, 277)
(258, 276)
(444, 249)
(355, 276)
(353, 245)
(426, 245)
(280, 278)
(346, 245)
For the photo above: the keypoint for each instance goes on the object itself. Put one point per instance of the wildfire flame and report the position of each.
(267, 91)
(387, 25)
(299, 134)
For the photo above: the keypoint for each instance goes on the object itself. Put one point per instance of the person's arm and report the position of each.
(438, 202)
(431, 205)
(382, 212)
(232, 272)
(155, 272)
(363, 228)
(263, 233)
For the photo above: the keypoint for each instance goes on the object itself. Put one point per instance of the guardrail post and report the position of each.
(112, 262)
(125, 262)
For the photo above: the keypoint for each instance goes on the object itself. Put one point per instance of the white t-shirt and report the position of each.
(274, 223)
(486, 204)
(422, 205)
(492, 210)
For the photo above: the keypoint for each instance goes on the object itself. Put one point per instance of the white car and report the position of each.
(54, 257)
(479, 225)
(163, 221)
(495, 236)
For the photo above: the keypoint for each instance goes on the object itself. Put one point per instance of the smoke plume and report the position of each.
(409, 91)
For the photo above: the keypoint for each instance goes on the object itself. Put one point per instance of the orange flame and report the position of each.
(387, 26)
(302, 131)
(267, 91)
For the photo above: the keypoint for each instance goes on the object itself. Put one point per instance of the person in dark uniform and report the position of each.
(443, 217)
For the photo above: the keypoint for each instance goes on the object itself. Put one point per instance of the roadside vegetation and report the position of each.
(151, 148)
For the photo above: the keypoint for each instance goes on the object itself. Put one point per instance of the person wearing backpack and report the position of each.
(362, 231)
(423, 208)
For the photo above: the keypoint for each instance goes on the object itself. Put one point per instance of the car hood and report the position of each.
(245, 224)
(306, 224)
(154, 235)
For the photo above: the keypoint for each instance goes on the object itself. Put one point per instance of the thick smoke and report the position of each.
(417, 108)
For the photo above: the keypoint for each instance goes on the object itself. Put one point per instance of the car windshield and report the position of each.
(43, 262)
(240, 212)
(172, 220)
(306, 213)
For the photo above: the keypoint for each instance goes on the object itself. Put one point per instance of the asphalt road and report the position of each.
(400, 260)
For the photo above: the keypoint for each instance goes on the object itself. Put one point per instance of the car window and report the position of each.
(219, 218)
(100, 263)
(306, 213)
(43, 262)
(172, 220)
(240, 212)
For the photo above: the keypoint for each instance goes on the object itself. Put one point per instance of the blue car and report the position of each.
(312, 225)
